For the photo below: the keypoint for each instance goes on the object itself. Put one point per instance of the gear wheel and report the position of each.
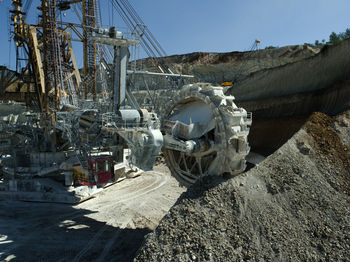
(203, 114)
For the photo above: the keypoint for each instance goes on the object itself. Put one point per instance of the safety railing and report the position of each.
(116, 122)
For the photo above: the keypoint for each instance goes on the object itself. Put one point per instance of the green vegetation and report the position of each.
(271, 47)
(319, 44)
(334, 38)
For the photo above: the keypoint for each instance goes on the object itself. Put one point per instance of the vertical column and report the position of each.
(121, 62)
(85, 50)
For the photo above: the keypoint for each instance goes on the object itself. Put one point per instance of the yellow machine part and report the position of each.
(80, 173)
(227, 84)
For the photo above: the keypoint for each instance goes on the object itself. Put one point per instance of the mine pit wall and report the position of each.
(229, 66)
(282, 98)
(330, 100)
(225, 67)
(275, 120)
(268, 134)
(332, 64)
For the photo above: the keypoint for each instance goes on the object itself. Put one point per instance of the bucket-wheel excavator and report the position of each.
(200, 130)
(205, 133)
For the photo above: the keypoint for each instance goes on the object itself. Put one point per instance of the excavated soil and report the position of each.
(294, 206)
(330, 146)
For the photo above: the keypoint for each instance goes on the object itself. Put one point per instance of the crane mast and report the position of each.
(89, 48)
(51, 53)
(50, 58)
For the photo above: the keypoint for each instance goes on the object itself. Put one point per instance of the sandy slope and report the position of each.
(294, 206)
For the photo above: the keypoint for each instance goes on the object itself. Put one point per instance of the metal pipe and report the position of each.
(159, 74)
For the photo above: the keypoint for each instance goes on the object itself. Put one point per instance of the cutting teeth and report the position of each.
(228, 137)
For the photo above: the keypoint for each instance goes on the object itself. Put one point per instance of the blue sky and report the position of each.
(185, 26)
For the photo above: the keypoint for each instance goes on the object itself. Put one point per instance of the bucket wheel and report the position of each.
(205, 133)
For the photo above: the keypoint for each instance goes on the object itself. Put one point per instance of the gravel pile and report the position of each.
(294, 206)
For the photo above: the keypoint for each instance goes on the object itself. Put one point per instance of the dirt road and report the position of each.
(110, 226)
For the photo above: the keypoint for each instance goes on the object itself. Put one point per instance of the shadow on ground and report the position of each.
(59, 232)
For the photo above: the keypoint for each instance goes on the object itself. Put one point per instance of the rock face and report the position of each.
(294, 206)
(318, 83)
(221, 67)
(287, 81)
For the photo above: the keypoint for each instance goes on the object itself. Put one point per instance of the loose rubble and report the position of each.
(294, 206)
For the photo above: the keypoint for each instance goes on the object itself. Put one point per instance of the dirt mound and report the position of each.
(294, 206)
(330, 147)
